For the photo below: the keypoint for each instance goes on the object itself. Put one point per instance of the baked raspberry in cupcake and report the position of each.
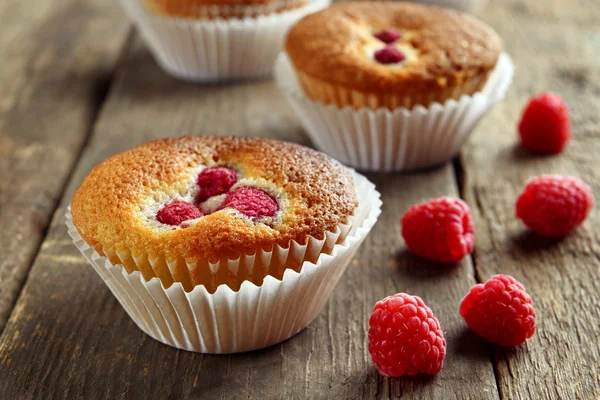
(376, 54)
(176, 208)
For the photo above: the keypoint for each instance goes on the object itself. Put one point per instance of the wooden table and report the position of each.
(77, 85)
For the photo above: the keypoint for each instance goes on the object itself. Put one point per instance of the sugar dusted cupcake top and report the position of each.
(384, 47)
(210, 198)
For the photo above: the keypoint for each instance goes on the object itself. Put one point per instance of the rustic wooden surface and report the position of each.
(556, 48)
(55, 73)
(67, 337)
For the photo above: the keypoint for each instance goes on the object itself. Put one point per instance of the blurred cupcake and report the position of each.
(212, 9)
(420, 68)
(391, 55)
(216, 40)
(205, 239)
(470, 6)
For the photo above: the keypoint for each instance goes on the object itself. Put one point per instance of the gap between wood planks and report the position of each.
(460, 177)
(102, 89)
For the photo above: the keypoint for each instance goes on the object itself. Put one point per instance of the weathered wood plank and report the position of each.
(57, 58)
(556, 49)
(68, 330)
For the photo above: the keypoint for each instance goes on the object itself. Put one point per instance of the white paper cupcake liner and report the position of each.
(398, 140)
(230, 321)
(216, 50)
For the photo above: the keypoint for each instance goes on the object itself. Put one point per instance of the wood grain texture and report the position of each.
(555, 49)
(54, 74)
(69, 338)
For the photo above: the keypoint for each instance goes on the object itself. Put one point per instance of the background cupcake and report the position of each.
(391, 55)
(216, 40)
(209, 9)
(215, 229)
(471, 6)
(412, 74)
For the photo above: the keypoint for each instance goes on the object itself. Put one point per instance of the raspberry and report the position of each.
(405, 337)
(554, 205)
(389, 55)
(251, 201)
(544, 126)
(214, 181)
(500, 311)
(439, 230)
(177, 212)
(387, 36)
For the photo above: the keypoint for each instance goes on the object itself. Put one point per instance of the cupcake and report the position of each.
(398, 58)
(216, 40)
(391, 55)
(211, 9)
(195, 235)
(471, 6)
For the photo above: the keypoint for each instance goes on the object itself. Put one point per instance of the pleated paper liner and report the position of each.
(399, 140)
(216, 50)
(194, 9)
(228, 321)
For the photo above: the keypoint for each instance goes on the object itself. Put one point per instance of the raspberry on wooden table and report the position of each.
(554, 205)
(251, 201)
(500, 311)
(214, 181)
(544, 126)
(177, 212)
(439, 230)
(405, 337)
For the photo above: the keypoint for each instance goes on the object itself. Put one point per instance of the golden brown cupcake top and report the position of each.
(392, 46)
(209, 198)
(200, 8)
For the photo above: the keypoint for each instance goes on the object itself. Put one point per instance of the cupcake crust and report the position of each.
(199, 8)
(445, 49)
(110, 209)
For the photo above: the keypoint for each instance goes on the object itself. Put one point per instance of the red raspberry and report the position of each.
(405, 337)
(554, 205)
(177, 212)
(439, 230)
(544, 126)
(252, 202)
(500, 311)
(387, 36)
(389, 55)
(214, 181)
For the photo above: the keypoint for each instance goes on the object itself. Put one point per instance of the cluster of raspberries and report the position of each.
(215, 181)
(442, 229)
(404, 335)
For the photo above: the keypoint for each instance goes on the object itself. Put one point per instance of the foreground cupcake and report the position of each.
(216, 40)
(425, 65)
(206, 239)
